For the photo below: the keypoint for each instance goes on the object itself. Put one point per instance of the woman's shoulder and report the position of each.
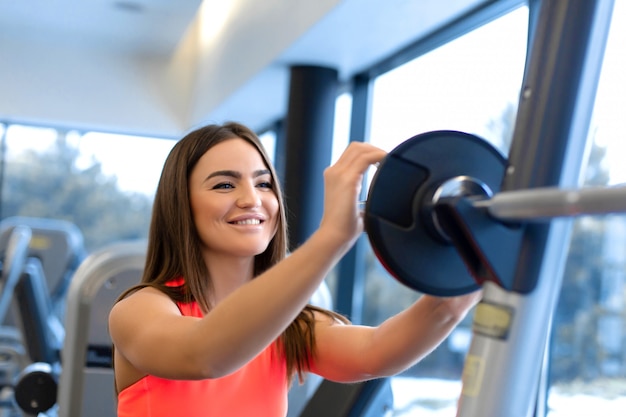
(326, 317)
(147, 291)
(153, 290)
(143, 299)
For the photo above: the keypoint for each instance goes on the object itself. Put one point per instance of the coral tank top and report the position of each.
(258, 389)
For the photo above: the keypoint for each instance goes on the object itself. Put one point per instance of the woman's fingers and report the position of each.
(343, 186)
(351, 166)
(359, 156)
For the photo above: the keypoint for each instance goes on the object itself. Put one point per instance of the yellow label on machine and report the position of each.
(493, 320)
(39, 242)
(472, 378)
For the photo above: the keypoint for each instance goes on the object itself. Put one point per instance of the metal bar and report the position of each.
(541, 204)
(13, 265)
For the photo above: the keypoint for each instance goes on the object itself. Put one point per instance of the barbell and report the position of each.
(437, 196)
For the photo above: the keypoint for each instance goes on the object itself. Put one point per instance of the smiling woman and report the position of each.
(226, 305)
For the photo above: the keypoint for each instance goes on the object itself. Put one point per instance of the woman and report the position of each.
(220, 323)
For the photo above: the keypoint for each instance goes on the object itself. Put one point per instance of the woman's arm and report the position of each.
(150, 333)
(348, 353)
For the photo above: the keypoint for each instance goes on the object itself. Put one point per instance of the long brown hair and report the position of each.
(174, 243)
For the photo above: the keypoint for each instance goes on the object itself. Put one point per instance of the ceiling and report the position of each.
(161, 67)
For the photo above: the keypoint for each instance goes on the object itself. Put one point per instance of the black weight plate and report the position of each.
(397, 216)
(36, 391)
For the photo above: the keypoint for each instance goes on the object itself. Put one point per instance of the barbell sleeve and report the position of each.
(540, 204)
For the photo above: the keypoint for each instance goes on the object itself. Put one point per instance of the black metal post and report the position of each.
(308, 145)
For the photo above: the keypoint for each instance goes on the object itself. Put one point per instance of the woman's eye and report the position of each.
(266, 184)
(223, 186)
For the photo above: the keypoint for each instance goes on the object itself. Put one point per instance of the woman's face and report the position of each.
(233, 202)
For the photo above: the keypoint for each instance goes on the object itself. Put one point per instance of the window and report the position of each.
(102, 183)
(474, 88)
(588, 344)
(341, 133)
(268, 139)
(341, 138)
(470, 84)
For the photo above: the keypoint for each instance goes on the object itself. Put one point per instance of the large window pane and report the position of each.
(588, 354)
(341, 138)
(103, 183)
(134, 161)
(472, 85)
(341, 132)
(268, 139)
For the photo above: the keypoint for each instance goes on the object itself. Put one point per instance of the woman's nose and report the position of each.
(249, 197)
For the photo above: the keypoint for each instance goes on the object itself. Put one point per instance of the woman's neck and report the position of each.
(228, 273)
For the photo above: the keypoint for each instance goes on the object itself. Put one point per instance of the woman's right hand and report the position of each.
(342, 188)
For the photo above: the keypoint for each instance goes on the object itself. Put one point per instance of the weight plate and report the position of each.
(36, 390)
(398, 217)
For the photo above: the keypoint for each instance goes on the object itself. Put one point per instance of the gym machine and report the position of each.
(14, 357)
(86, 386)
(33, 378)
(59, 246)
(446, 214)
(38, 258)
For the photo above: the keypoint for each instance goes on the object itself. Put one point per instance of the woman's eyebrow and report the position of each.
(236, 174)
(224, 173)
